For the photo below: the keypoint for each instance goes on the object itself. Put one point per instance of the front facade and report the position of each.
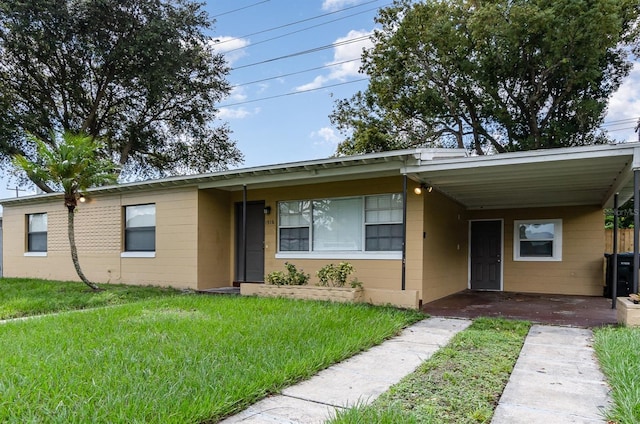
(526, 222)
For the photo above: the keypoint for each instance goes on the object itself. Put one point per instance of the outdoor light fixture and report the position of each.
(82, 198)
(267, 210)
(418, 190)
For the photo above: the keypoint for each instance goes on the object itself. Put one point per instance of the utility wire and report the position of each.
(240, 8)
(291, 94)
(621, 121)
(620, 129)
(303, 52)
(297, 31)
(296, 73)
(300, 21)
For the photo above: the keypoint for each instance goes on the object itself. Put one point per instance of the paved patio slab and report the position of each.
(574, 311)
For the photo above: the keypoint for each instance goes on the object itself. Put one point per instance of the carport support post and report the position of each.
(244, 233)
(614, 258)
(404, 230)
(636, 226)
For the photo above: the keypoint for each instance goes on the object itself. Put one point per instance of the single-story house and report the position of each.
(434, 221)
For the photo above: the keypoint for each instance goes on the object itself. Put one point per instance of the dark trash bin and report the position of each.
(625, 275)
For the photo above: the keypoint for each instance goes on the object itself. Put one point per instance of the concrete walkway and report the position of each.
(556, 379)
(360, 379)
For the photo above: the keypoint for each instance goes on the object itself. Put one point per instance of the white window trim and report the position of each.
(557, 241)
(36, 254)
(331, 254)
(335, 255)
(33, 252)
(137, 254)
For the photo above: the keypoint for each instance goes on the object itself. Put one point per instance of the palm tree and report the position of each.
(70, 163)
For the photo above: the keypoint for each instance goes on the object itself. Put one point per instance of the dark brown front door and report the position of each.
(486, 251)
(255, 243)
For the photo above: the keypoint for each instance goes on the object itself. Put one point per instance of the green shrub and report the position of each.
(292, 277)
(336, 275)
(276, 277)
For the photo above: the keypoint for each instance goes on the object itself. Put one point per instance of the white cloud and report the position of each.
(332, 5)
(227, 113)
(343, 53)
(237, 95)
(624, 108)
(231, 47)
(326, 135)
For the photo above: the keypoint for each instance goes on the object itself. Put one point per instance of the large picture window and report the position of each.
(37, 232)
(353, 224)
(539, 240)
(140, 228)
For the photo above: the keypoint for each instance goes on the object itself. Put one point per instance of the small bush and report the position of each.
(292, 277)
(336, 275)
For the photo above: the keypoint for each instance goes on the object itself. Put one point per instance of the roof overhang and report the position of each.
(589, 175)
(543, 178)
(373, 165)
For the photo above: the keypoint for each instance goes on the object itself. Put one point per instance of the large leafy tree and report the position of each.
(139, 74)
(490, 75)
(69, 163)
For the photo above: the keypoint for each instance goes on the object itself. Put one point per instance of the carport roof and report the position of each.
(556, 177)
(588, 175)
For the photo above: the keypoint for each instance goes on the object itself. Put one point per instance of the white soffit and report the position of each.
(560, 177)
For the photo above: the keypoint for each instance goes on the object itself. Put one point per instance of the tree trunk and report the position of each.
(74, 250)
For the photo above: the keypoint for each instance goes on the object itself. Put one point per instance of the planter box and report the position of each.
(628, 312)
(334, 294)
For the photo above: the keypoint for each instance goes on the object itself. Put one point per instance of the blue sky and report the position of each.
(294, 125)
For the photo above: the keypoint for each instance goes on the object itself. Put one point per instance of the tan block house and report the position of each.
(526, 222)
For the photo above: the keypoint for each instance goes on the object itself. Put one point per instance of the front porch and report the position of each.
(575, 311)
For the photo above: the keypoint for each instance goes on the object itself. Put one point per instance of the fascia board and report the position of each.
(529, 157)
(307, 175)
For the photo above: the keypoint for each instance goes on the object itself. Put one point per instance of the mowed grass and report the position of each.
(182, 359)
(21, 297)
(618, 350)
(460, 383)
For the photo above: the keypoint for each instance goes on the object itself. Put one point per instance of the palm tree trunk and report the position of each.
(74, 250)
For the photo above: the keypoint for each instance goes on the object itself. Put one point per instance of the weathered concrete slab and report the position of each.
(517, 414)
(556, 379)
(360, 379)
(283, 410)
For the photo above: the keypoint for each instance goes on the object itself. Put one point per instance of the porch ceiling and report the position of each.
(560, 177)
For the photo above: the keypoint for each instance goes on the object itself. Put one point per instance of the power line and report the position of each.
(240, 8)
(303, 52)
(292, 94)
(297, 31)
(300, 21)
(621, 129)
(297, 72)
(621, 121)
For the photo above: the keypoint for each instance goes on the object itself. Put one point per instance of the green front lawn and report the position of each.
(618, 350)
(180, 359)
(21, 297)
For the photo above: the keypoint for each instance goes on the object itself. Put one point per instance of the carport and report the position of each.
(602, 175)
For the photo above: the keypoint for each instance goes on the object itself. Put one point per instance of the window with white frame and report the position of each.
(383, 222)
(37, 232)
(352, 224)
(295, 222)
(140, 228)
(537, 240)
